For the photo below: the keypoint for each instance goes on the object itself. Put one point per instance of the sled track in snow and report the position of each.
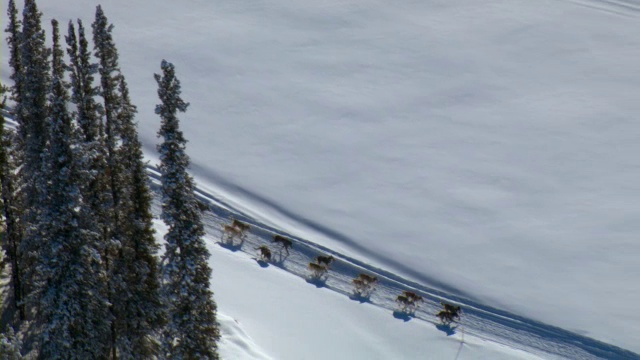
(479, 320)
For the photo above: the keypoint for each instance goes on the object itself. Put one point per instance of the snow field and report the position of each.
(479, 322)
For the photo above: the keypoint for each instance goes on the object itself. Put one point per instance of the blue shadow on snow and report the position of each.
(262, 263)
(232, 247)
(401, 315)
(359, 298)
(319, 283)
(447, 328)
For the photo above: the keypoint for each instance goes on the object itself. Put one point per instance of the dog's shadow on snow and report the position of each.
(359, 298)
(447, 329)
(262, 263)
(231, 246)
(318, 282)
(401, 315)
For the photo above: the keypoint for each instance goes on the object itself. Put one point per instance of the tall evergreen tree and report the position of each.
(3, 151)
(138, 307)
(12, 211)
(34, 77)
(192, 332)
(13, 230)
(82, 72)
(107, 54)
(3, 168)
(72, 311)
(96, 191)
(31, 114)
(133, 270)
(13, 40)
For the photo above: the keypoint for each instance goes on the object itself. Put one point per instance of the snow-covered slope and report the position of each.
(292, 319)
(483, 149)
(479, 322)
(495, 333)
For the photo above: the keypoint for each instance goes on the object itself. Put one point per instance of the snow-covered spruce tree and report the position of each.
(13, 29)
(3, 151)
(192, 332)
(12, 211)
(134, 274)
(140, 312)
(95, 189)
(31, 114)
(82, 71)
(3, 161)
(13, 40)
(31, 110)
(72, 309)
(107, 54)
(96, 192)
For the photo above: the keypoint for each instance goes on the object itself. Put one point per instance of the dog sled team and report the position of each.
(363, 284)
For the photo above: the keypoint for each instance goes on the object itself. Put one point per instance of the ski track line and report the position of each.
(479, 320)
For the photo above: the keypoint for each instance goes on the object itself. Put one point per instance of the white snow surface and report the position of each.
(293, 320)
(487, 150)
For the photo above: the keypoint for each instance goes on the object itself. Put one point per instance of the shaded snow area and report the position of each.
(480, 153)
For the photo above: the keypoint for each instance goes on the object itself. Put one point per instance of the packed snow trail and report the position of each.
(477, 319)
